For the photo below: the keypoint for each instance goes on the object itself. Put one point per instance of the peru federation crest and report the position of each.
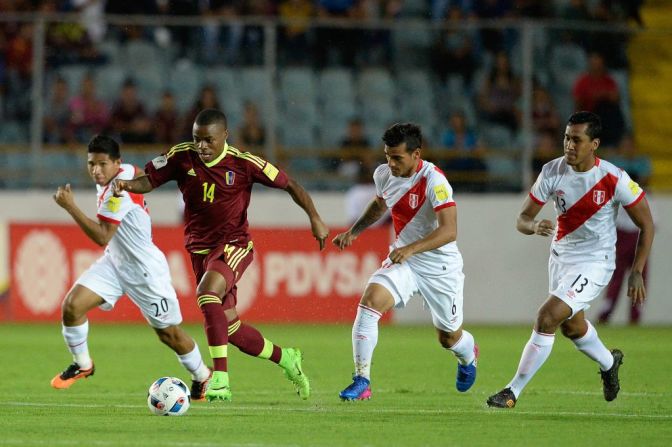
(413, 200)
(599, 196)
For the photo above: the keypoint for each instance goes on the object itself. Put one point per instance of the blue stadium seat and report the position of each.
(336, 83)
(151, 84)
(375, 83)
(298, 84)
(186, 80)
(13, 132)
(140, 53)
(621, 78)
(73, 75)
(109, 79)
(495, 136)
(298, 136)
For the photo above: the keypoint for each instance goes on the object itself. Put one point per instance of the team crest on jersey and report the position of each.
(230, 177)
(413, 200)
(599, 196)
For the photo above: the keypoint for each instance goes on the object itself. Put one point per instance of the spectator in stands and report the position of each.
(575, 10)
(221, 43)
(130, 119)
(500, 93)
(462, 157)
(545, 117)
(89, 114)
(251, 133)
(378, 48)
(354, 150)
(545, 150)
(611, 45)
(92, 18)
(68, 42)
(252, 43)
(336, 43)
(183, 36)
(167, 123)
(439, 9)
(596, 91)
(57, 113)
(19, 65)
(492, 39)
(207, 99)
(453, 52)
(294, 36)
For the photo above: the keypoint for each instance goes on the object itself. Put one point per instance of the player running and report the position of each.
(424, 259)
(216, 183)
(586, 193)
(131, 265)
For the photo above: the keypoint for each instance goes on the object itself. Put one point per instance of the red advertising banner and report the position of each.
(290, 280)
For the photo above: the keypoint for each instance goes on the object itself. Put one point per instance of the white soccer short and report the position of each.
(577, 284)
(442, 294)
(153, 294)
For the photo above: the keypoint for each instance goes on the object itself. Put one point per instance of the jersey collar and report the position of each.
(221, 156)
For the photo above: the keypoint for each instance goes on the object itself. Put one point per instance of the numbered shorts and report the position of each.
(228, 260)
(442, 294)
(152, 292)
(577, 284)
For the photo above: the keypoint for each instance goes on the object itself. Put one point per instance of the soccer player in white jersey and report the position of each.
(586, 192)
(424, 259)
(131, 265)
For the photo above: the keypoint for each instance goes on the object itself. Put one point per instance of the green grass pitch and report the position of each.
(414, 398)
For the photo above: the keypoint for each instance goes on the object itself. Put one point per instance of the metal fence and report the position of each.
(309, 82)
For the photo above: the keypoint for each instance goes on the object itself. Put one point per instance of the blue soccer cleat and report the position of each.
(466, 374)
(359, 389)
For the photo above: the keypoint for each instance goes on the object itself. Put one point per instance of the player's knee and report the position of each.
(169, 336)
(546, 323)
(71, 308)
(448, 339)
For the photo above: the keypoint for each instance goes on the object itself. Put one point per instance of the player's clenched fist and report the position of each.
(544, 227)
(118, 186)
(344, 240)
(64, 197)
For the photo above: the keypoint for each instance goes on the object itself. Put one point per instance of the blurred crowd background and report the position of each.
(312, 84)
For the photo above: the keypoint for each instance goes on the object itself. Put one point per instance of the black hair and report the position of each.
(211, 116)
(102, 144)
(408, 133)
(594, 128)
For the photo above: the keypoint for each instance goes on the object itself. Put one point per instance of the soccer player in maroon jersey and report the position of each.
(216, 183)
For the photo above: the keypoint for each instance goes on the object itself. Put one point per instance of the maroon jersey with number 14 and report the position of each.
(216, 195)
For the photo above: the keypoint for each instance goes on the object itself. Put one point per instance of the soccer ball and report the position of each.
(168, 396)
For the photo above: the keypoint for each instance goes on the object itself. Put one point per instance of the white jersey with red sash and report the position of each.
(414, 202)
(586, 204)
(131, 246)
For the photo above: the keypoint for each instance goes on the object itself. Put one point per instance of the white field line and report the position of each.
(348, 408)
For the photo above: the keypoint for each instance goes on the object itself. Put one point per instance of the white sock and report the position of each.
(536, 351)
(464, 348)
(193, 362)
(76, 340)
(591, 345)
(364, 339)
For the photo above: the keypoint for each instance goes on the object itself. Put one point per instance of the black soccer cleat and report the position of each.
(503, 399)
(610, 383)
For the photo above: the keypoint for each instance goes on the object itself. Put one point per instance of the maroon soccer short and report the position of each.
(228, 260)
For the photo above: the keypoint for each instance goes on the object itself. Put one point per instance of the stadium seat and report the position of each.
(375, 83)
(415, 82)
(567, 62)
(112, 51)
(336, 83)
(151, 84)
(621, 78)
(109, 79)
(139, 53)
(185, 82)
(298, 136)
(298, 84)
(13, 132)
(73, 75)
(495, 136)
(252, 85)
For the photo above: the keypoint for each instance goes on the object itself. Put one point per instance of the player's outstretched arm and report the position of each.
(303, 199)
(641, 216)
(98, 232)
(527, 224)
(374, 211)
(139, 185)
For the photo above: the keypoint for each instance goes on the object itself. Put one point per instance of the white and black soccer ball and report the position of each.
(168, 396)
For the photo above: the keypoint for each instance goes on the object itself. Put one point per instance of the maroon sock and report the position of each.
(250, 341)
(215, 328)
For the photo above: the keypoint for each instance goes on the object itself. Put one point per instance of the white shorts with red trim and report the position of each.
(442, 294)
(577, 284)
(152, 292)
